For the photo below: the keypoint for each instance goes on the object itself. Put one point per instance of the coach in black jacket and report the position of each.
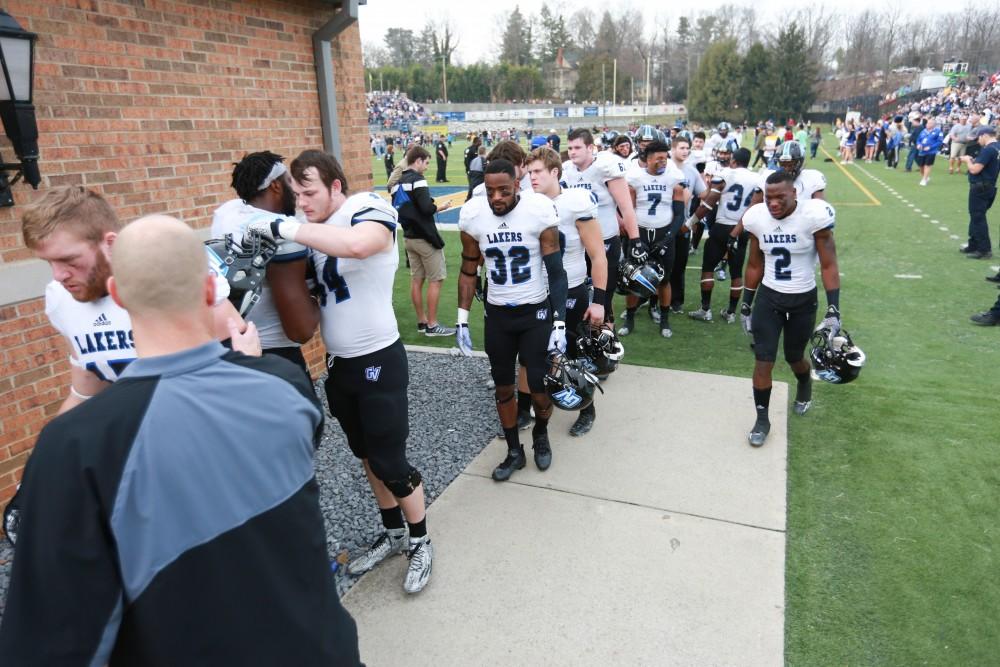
(424, 246)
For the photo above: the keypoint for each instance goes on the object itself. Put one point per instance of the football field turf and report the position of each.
(893, 480)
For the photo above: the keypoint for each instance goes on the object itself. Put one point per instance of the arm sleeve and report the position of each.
(558, 285)
(65, 596)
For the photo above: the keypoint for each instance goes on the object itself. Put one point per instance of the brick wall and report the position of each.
(150, 102)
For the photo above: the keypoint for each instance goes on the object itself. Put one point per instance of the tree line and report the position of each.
(672, 50)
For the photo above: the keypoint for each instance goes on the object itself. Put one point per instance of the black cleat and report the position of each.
(515, 461)
(979, 255)
(987, 319)
(993, 279)
(543, 452)
(758, 434)
(584, 422)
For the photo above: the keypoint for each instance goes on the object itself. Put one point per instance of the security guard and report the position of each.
(983, 173)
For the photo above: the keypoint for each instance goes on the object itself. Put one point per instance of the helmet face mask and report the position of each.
(599, 348)
(569, 384)
(243, 267)
(835, 358)
(792, 157)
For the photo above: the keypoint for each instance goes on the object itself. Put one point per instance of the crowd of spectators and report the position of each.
(394, 109)
(981, 96)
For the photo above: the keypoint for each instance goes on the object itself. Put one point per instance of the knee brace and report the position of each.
(401, 488)
(504, 397)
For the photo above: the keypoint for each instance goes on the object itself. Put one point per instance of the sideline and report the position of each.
(875, 202)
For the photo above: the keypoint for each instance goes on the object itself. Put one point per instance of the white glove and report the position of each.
(831, 321)
(557, 340)
(463, 339)
(275, 230)
(745, 319)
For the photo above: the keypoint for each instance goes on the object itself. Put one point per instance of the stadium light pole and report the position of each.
(604, 95)
(444, 76)
(614, 82)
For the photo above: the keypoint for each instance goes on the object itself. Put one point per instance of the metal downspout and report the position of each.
(325, 86)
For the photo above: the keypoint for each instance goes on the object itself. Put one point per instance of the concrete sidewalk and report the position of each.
(657, 539)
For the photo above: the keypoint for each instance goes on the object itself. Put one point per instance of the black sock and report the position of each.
(664, 317)
(733, 301)
(803, 392)
(762, 399)
(706, 299)
(541, 427)
(630, 312)
(510, 435)
(523, 401)
(392, 517)
(590, 410)
(419, 529)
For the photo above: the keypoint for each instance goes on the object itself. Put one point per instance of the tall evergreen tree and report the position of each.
(516, 43)
(756, 95)
(791, 74)
(715, 88)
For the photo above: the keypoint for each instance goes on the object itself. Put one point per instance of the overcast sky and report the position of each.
(480, 24)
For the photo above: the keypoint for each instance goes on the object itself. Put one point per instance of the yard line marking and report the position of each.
(943, 229)
(917, 210)
(934, 222)
(907, 276)
(850, 177)
(926, 216)
(954, 237)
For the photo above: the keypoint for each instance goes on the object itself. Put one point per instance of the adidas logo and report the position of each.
(503, 225)
(102, 321)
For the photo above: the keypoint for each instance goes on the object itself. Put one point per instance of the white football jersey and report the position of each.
(356, 310)
(788, 244)
(697, 157)
(604, 168)
(572, 205)
(807, 183)
(510, 246)
(741, 183)
(99, 332)
(654, 195)
(480, 190)
(715, 141)
(233, 218)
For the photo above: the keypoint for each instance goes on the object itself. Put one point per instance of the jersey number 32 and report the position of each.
(517, 269)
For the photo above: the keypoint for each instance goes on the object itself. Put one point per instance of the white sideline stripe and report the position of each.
(907, 276)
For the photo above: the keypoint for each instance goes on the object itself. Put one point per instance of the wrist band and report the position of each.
(287, 229)
(833, 299)
(600, 295)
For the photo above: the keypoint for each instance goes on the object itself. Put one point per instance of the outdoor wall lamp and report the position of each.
(17, 59)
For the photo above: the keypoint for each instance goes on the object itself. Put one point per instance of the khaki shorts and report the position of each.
(426, 261)
(957, 149)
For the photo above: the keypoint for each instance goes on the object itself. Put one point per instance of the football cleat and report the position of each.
(702, 315)
(627, 327)
(584, 422)
(758, 434)
(654, 312)
(666, 332)
(421, 557)
(542, 451)
(727, 316)
(801, 407)
(515, 461)
(392, 541)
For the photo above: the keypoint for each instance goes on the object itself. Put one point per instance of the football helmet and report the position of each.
(599, 348)
(569, 383)
(792, 157)
(724, 127)
(835, 357)
(242, 266)
(640, 279)
(724, 151)
(645, 133)
(12, 518)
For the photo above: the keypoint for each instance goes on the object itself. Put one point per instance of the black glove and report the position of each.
(732, 243)
(639, 251)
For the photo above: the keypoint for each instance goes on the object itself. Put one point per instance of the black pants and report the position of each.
(613, 253)
(442, 166)
(775, 313)
(716, 249)
(981, 196)
(513, 333)
(577, 302)
(292, 353)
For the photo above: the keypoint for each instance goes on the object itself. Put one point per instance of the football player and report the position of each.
(517, 233)
(680, 154)
(737, 185)
(581, 237)
(353, 238)
(787, 235)
(513, 153)
(720, 137)
(604, 174)
(73, 229)
(658, 194)
(809, 183)
(284, 314)
(622, 146)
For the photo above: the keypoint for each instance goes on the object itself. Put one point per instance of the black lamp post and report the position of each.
(17, 59)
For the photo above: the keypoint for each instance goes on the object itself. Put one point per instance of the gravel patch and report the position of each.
(452, 418)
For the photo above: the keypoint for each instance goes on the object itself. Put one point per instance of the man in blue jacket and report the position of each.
(928, 146)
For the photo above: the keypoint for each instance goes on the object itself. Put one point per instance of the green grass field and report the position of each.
(894, 480)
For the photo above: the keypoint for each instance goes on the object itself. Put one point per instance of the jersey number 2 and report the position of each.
(781, 264)
(519, 270)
